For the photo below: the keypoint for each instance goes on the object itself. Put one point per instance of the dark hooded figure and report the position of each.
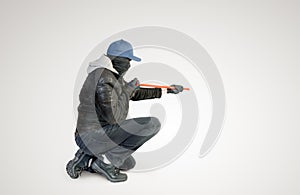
(102, 128)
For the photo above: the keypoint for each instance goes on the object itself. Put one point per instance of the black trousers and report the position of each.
(117, 142)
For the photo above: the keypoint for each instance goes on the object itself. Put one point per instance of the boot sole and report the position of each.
(97, 169)
(70, 168)
(71, 171)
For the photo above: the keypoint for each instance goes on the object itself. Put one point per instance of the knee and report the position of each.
(155, 125)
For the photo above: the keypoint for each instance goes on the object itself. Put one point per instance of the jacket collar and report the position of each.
(102, 62)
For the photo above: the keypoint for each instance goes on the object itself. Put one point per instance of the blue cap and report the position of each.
(123, 49)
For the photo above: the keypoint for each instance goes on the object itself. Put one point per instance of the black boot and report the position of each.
(111, 172)
(79, 163)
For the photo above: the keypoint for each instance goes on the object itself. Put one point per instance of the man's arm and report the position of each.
(146, 93)
(104, 102)
(109, 103)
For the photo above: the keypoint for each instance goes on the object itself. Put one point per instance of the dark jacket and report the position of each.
(104, 99)
(113, 95)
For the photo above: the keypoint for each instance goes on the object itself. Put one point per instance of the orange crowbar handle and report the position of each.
(159, 86)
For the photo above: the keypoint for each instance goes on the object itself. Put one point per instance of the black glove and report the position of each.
(133, 85)
(175, 89)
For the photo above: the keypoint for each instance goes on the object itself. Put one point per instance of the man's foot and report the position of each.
(111, 172)
(79, 163)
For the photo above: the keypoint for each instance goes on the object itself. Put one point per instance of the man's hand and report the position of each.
(175, 89)
(133, 85)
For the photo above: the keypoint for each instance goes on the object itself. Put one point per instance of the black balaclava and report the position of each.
(121, 64)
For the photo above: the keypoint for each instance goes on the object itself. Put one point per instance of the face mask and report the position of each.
(121, 64)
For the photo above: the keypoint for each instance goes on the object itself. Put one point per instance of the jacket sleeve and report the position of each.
(146, 93)
(107, 102)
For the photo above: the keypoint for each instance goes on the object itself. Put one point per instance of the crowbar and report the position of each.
(160, 86)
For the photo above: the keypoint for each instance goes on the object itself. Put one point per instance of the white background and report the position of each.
(255, 45)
